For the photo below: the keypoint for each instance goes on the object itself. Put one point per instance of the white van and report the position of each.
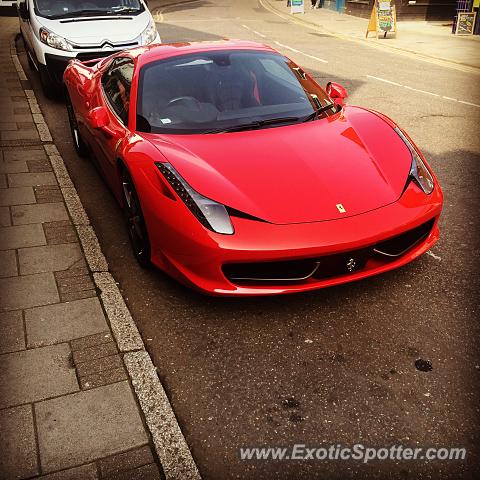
(55, 31)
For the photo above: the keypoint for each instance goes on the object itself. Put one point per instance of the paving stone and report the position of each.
(25, 154)
(46, 212)
(18, 457)
(99, 365)
(31, 179)
(70, 297)
(37, 374)
(5, 220)
(75, 284)
(48, 194)
(11, 127)
(49, 258)
(20, 135)
(85, 472)
(90, 341)
(15, 166)
(23, 110)
(63, 322)
(8, 263)
(103, 378)
(59, 232)
(12, 338)
(125, 461)
(21, 236)
(3, 181)
(92, 353)
(27, 291)
(16, 196)
(88, 425)
(39, 165)
(147, 472)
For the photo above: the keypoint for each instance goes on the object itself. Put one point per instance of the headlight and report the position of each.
(54, 41)
(418, 171)
(149, 34)
(209, 213)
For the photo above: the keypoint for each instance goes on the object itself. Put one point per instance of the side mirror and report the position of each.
(22, 11)
(336, 92)
(98, 118)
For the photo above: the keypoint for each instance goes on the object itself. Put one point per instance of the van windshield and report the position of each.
(72, 8)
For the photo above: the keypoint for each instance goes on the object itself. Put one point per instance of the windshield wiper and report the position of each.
(254, 125)
(87, 13)
(316, 113)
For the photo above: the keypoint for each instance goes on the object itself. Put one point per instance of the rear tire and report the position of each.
(48, 85)
(78, 143)
(137, 230)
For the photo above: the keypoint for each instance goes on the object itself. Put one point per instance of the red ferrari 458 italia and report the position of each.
(240, 175)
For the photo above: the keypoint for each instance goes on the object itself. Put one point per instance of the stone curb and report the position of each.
(269, 5)
(172, 449)
(173, 452)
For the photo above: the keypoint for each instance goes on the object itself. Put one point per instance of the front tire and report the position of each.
(137, 230)
(48, 85)
(78, 143)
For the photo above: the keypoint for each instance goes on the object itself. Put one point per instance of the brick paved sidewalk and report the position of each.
(66, 404)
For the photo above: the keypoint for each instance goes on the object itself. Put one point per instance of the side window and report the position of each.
(117, 81)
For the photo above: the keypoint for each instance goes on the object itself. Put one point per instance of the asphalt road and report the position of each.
(336, 365)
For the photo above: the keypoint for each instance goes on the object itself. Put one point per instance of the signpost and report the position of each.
(297, 6)
(465, 23)
(383, 18)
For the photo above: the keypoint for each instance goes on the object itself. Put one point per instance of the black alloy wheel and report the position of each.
(137, 230)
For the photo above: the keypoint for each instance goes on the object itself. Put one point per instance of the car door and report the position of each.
(113, 93)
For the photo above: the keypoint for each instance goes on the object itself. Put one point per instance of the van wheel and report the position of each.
(48, 85)
(80, 146)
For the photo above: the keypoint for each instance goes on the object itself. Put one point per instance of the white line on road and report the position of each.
(254, 31)
(423, 91)
(385, 80)
(286, 46)
(300, 52)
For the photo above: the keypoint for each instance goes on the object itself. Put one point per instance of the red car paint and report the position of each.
(291, 178)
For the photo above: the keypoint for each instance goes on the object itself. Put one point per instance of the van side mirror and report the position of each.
(336, 92)
(22, 11)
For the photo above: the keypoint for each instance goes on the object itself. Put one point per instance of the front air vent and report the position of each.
(397, 246)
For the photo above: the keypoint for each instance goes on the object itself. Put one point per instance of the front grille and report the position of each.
(328, 266)
(84, 57)
(397, 246)
(116, 46)
(289, 271)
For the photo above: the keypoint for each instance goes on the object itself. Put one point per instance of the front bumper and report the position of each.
(56, 64)
(201, 259)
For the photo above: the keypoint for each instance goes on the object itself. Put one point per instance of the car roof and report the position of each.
(156, 52)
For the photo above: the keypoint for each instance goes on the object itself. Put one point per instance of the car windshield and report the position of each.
(211, 92)
(73, 8)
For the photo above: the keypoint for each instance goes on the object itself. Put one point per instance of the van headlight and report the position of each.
(149, 34)
(55, 41)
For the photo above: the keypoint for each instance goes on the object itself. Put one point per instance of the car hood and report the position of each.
(297, 173)
(96, 31)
